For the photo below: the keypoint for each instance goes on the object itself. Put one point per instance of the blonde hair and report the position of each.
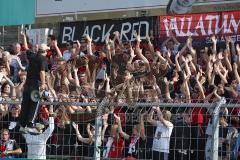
(167, 115)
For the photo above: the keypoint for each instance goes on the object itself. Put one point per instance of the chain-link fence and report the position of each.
(175, 131)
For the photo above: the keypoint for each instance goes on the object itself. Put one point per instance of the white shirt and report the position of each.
(175, 49)
(162, 137)
(37, 143)
(67, 55)
(107, 147)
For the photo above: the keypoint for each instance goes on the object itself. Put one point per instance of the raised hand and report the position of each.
(88, 126)
(214, 39)
(166, 81)
(106, 78)
(132, 53)
(238, 48)
(148, 38)
(117, 34)
(189, 41)
(75, 126)
(138, 38)
(107, 39)
(228, 39)
(117, 118)
(235, 67)
(88, 38)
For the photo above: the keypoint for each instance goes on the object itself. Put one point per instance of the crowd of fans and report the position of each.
(125, 73)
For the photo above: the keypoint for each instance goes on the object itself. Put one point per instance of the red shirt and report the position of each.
(121, 114)
(197, 115)
(2, 149)
(43, 113)
(116, 148)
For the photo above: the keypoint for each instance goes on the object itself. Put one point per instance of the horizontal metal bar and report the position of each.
(55, 103)
(145, 104)
(121, 104)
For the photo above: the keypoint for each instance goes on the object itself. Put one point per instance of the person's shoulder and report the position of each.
(41, 57)
(170, 124)
(12, 141)
(29, 51)
(160, 124)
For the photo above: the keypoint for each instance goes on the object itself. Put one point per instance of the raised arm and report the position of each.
(168, 96)
(222, 76)
(107, 89)
(117, 38)
(235, 69)
(18, 150)
(24, 39)
(192, 50)
(59, 53)
(200, 87)
(160, 116)
(141, 56)
(79, 136)
(238, 53)
(150, 45)
(122, 133)
(48, 132)
(177, 62)
(214, 40)
(227, 55)
(105, 125)
(150, 118)
(89, 45)
(185, 88)
(108, 48)
(142, 128)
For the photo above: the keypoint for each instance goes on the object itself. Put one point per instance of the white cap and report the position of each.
(44, 47)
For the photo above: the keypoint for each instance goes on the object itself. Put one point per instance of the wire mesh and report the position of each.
(190, 137)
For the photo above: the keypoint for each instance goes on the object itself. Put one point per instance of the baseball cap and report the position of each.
(44, 47)
(2, 48)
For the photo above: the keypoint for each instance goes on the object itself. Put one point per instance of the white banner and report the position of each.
(65, 7)
(57, 7)
(37, 36)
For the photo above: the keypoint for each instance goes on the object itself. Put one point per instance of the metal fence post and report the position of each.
(215, 129)
(98, 129)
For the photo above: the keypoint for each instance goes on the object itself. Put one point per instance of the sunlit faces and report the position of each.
(17, 48)
(68, 46)
(5, 135)
(195, 92)
(139, 65)
(15, 109)
(83, 78)
(137, 129)
(148, 54)
(49, 41)
(23, 77)
(7, 89)
(3, 68)
(170, 45)
(118, 50)
(220, 89)
(234, 84)
(126, 56)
